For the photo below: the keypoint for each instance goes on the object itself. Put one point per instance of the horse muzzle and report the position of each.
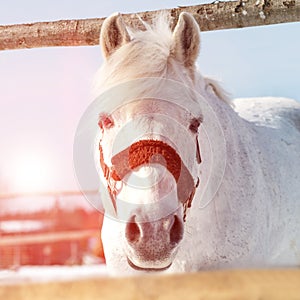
(152, 246)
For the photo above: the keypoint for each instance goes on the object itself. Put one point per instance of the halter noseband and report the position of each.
(145, 152)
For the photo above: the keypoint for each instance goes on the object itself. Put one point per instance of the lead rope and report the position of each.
(189, 201)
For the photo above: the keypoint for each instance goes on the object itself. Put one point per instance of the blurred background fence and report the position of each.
(49, 229)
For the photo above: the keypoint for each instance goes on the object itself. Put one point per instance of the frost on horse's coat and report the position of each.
(245, 212)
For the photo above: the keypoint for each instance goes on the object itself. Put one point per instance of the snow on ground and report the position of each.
(30, 274)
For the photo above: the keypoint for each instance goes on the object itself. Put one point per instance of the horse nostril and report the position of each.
(132, 231)
(176, 232)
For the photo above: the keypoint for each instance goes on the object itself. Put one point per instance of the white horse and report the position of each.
(193, 181)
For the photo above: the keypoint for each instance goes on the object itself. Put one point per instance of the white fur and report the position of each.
(246, 210)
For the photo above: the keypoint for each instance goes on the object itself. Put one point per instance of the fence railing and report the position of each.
(214, 16)
(56, 194)
(47, 237)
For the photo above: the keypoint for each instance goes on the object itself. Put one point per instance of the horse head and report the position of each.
(149, 151)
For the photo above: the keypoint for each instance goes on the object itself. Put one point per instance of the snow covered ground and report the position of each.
(29, 274)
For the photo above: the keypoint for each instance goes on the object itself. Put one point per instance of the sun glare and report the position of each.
(31, 173)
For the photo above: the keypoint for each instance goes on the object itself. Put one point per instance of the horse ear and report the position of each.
(186, 40)
(113, 35)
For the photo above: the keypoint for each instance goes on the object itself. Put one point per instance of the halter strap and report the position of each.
(145, 152)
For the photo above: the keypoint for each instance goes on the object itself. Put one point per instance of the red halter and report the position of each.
(145, 152)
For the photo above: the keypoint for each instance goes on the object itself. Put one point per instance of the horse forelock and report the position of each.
(146, 55)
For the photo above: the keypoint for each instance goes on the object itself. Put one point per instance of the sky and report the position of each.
(44, 92)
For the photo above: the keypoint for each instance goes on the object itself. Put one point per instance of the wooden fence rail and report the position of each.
(47, 194)
(214, 16)
(47, 237)
(250, 284)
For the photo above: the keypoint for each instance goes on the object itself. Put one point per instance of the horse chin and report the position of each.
(146, 267)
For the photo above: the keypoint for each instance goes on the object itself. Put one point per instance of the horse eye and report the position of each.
(194, 125)
(105, 121)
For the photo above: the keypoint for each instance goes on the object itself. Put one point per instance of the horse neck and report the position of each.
(233, 193)
(235, 145)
